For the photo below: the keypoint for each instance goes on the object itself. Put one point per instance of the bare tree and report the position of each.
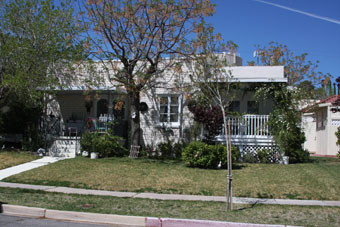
(138, 40)
(212, 82)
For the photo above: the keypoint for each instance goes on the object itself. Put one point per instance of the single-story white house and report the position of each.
(165, 107)
(320, 122)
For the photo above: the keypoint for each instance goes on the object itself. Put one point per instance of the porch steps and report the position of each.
(66, 147)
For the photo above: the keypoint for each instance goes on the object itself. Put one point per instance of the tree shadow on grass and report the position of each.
(249, 206)
(238, 166)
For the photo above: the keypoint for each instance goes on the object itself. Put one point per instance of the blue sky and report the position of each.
(305, 26)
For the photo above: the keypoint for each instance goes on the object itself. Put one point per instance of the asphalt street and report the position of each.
(15, 221)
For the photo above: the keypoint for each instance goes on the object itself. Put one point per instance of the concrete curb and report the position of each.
(73, 216)
(95, 218)
(22, 210)
(171, 222)
(119, 219)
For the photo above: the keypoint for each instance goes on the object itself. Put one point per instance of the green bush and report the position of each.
(86, 141)
(266, 156)
(165, 150)
(285, 120)
(202, 155)
(249, 157)
(337, 134)
(106, 145)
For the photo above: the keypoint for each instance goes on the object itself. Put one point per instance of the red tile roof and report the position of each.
(331, 99)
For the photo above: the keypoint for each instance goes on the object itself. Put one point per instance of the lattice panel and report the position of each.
(251, 150)
(335, 122)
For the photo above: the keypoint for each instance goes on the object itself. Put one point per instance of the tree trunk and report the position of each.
(134, 119)
(229, 202)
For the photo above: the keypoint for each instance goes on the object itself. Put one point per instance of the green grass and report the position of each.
(318, 180)
(266, 214)
(12, 158)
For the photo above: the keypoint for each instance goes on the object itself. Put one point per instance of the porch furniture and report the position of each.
(72, 131)
(74, 126)
(134, 151)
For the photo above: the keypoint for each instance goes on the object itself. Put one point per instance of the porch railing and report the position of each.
(248, 126)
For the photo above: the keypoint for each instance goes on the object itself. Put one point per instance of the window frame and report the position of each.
(168, 123)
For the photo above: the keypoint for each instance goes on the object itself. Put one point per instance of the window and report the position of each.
(252, 107)
(118, 109)
(321, 119)
(102, 107)
(234, 106)
(169, 109)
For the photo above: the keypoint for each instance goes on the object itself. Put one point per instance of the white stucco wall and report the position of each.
(320, 133)
(333, 124)
(309, 127)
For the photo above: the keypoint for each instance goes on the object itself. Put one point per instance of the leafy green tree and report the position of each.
(285, 120)
(39, 46)
(302, 77)
(39, 42)
(139, 40)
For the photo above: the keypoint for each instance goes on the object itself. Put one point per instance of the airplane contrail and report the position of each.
(301, 12)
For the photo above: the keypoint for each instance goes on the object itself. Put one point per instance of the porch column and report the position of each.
(110, 104)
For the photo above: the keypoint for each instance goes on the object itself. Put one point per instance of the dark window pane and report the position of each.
(163, 110)
(174, 100)
(163, 118)
(164, 100)
(252, 107)
(234, 106)
(174, 118)
(173, 109)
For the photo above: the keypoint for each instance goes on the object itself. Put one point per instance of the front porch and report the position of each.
(249, 133)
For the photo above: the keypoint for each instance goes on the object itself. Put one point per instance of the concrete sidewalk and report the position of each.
(172, 196)
(27, 166)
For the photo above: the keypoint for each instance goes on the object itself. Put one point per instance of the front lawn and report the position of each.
(265, 214)
(12, 158)
(318, 180)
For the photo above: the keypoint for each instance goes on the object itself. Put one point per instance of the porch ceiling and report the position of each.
(85, 88)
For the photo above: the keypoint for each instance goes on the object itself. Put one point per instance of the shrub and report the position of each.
(86, 141)
(267, 156)
(285, 121)
(169, 150)
(106, 145)
(164, 150)
(337, 134)
(249, 157)
(202, 155)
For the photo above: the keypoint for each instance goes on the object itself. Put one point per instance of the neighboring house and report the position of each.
(165, 115)
(320, 122)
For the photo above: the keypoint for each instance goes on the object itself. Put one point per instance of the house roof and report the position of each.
(257, 73)
(331, 99)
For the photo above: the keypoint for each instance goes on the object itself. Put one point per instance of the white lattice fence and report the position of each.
(250, 152)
